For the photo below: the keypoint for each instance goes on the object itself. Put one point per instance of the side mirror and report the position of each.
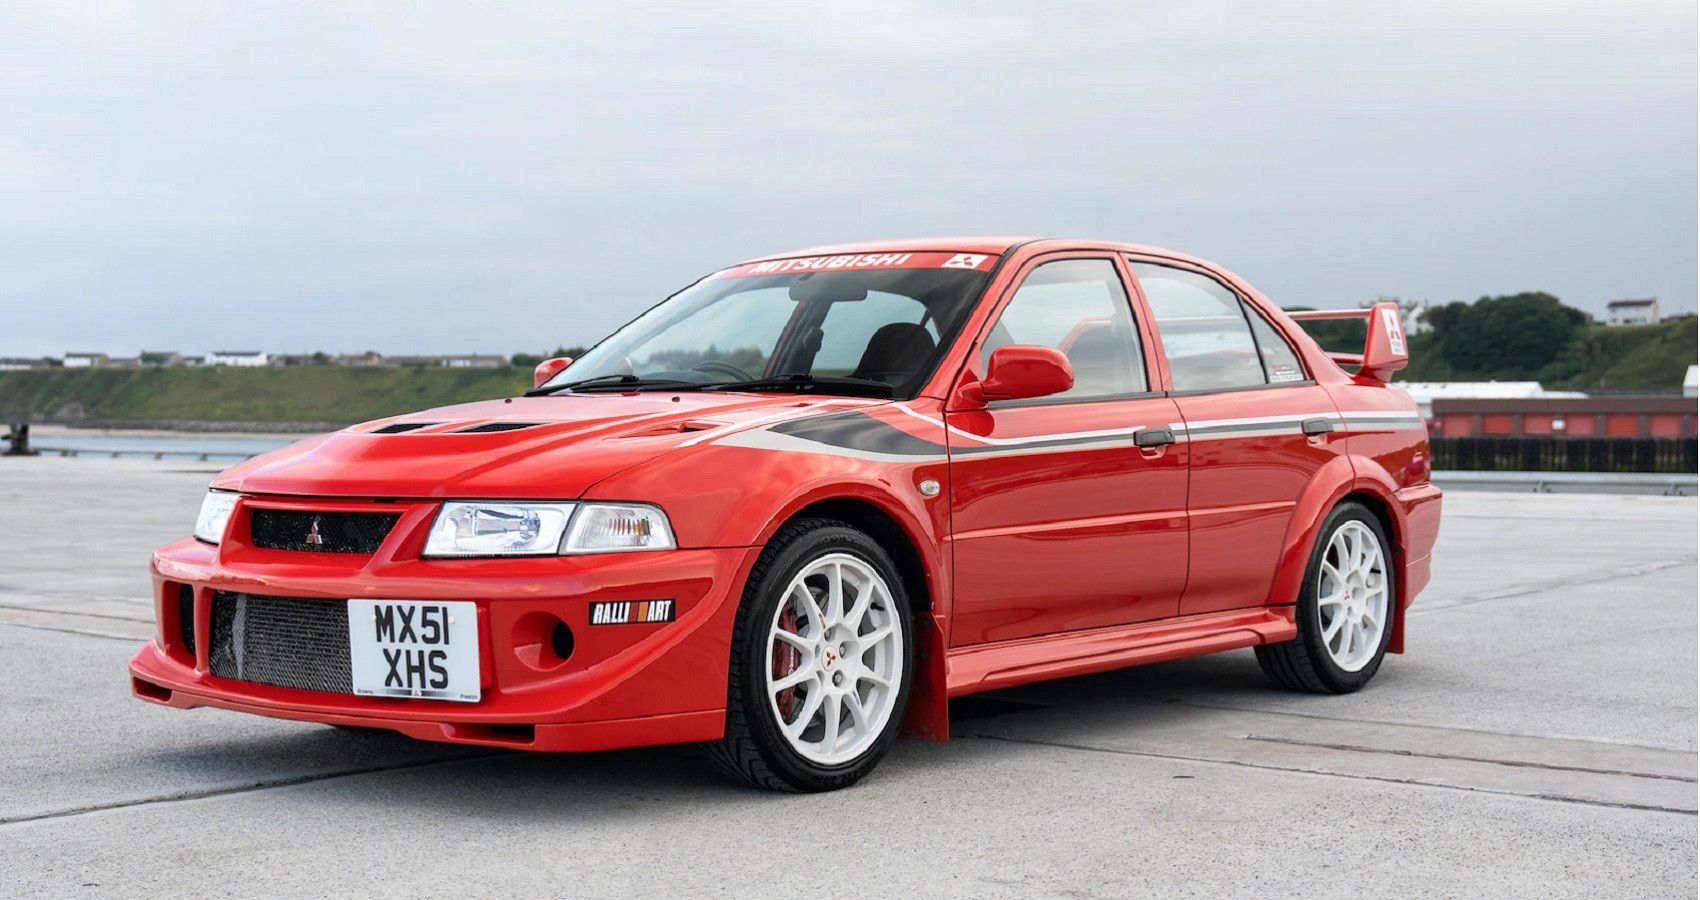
(548, 369)
(1020, 372)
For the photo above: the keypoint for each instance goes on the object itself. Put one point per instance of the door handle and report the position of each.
(1317, 426)
(1147, 438)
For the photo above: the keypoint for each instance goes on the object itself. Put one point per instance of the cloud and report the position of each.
(516, 176)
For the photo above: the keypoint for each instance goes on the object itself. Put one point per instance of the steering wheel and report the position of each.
(716, 367)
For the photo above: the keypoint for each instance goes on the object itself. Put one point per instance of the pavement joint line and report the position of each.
(24, 607)
(1535, 587)
(1409, 782)
(94, 634)
(258, 786)
(1515, 763)
(1228, 707)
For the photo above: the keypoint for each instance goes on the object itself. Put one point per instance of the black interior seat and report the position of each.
(896, 351)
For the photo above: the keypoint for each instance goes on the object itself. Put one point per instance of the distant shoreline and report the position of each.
(178, 428)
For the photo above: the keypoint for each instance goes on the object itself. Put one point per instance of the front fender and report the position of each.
(730, 496)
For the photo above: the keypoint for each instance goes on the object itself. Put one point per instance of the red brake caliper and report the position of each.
(785, 661)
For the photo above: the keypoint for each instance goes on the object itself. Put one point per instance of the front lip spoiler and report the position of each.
(605, 734)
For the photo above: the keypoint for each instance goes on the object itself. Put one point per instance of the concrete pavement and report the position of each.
(1537, 740)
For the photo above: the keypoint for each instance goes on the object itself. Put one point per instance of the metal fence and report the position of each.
(1540, 453)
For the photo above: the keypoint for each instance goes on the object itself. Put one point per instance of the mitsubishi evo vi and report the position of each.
(792, 510)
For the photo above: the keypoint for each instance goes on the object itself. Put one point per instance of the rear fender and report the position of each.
(1340, 478)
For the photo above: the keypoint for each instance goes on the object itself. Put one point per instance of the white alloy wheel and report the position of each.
(836, 652)
(1352, 595)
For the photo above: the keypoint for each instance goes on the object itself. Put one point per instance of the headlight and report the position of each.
(474, 528)
(216, 508)
(498, 529)
(617, 527)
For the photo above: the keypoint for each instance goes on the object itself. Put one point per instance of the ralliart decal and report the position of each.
(630, 612)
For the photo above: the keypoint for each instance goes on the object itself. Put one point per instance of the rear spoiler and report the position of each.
(1384, 341)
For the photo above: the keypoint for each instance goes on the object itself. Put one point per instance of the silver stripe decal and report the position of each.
(1031, 439)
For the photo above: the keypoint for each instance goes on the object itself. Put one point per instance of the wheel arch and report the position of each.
(1343, 479)
(914, 549)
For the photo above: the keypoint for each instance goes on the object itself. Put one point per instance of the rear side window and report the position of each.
(1203, 328)
(1077, 306)
(1280, 363)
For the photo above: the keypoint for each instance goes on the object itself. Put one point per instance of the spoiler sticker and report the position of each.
(1395, 335)
(979, 262)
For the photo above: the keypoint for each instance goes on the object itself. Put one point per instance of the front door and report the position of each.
(1060, 521)
(1257, 428)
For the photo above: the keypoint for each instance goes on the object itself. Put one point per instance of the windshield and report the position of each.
(874, 329)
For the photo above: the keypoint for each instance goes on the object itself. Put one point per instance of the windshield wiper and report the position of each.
(620, 382)
(800, 382)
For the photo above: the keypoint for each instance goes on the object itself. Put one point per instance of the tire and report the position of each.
(1326, 658)
(843, 657)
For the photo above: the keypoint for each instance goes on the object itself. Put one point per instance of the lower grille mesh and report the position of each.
(281, 641)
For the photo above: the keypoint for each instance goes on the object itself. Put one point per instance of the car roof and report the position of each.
(993, 244)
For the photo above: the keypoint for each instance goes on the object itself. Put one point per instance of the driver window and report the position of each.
(1077, 306)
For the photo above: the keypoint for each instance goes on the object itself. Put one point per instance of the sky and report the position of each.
(480, 177)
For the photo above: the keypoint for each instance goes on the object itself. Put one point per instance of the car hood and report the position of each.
(552, 447)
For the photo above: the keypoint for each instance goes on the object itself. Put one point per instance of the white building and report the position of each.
(85, 360)
(1691, 382)
(237, 358)
(1426, 392)
(1633, 312)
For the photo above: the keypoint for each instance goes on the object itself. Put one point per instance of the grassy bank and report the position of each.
(1596, 357)
(296, 394)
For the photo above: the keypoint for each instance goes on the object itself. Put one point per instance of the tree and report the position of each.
(1514, 335)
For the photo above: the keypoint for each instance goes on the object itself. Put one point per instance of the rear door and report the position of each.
(1060, 521)
(1256, 426)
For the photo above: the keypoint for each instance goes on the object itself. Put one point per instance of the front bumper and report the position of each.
(623, 685)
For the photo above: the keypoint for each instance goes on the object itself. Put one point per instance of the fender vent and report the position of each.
(488, 427)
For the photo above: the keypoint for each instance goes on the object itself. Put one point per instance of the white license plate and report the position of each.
(414, 648)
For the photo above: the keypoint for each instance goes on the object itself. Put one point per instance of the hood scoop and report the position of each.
(399, 427)
(672, 428)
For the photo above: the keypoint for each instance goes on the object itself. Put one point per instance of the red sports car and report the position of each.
(794, 508)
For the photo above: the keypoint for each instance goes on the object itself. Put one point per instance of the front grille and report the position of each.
(282, 641)
(319, 532)
(186, 618)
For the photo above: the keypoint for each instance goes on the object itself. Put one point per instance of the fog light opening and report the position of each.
(561, 641)
(542, 641)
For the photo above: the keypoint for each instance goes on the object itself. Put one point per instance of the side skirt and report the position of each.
(985, 667)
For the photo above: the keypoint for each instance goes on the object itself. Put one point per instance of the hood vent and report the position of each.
(399, 427)
(488, 427)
